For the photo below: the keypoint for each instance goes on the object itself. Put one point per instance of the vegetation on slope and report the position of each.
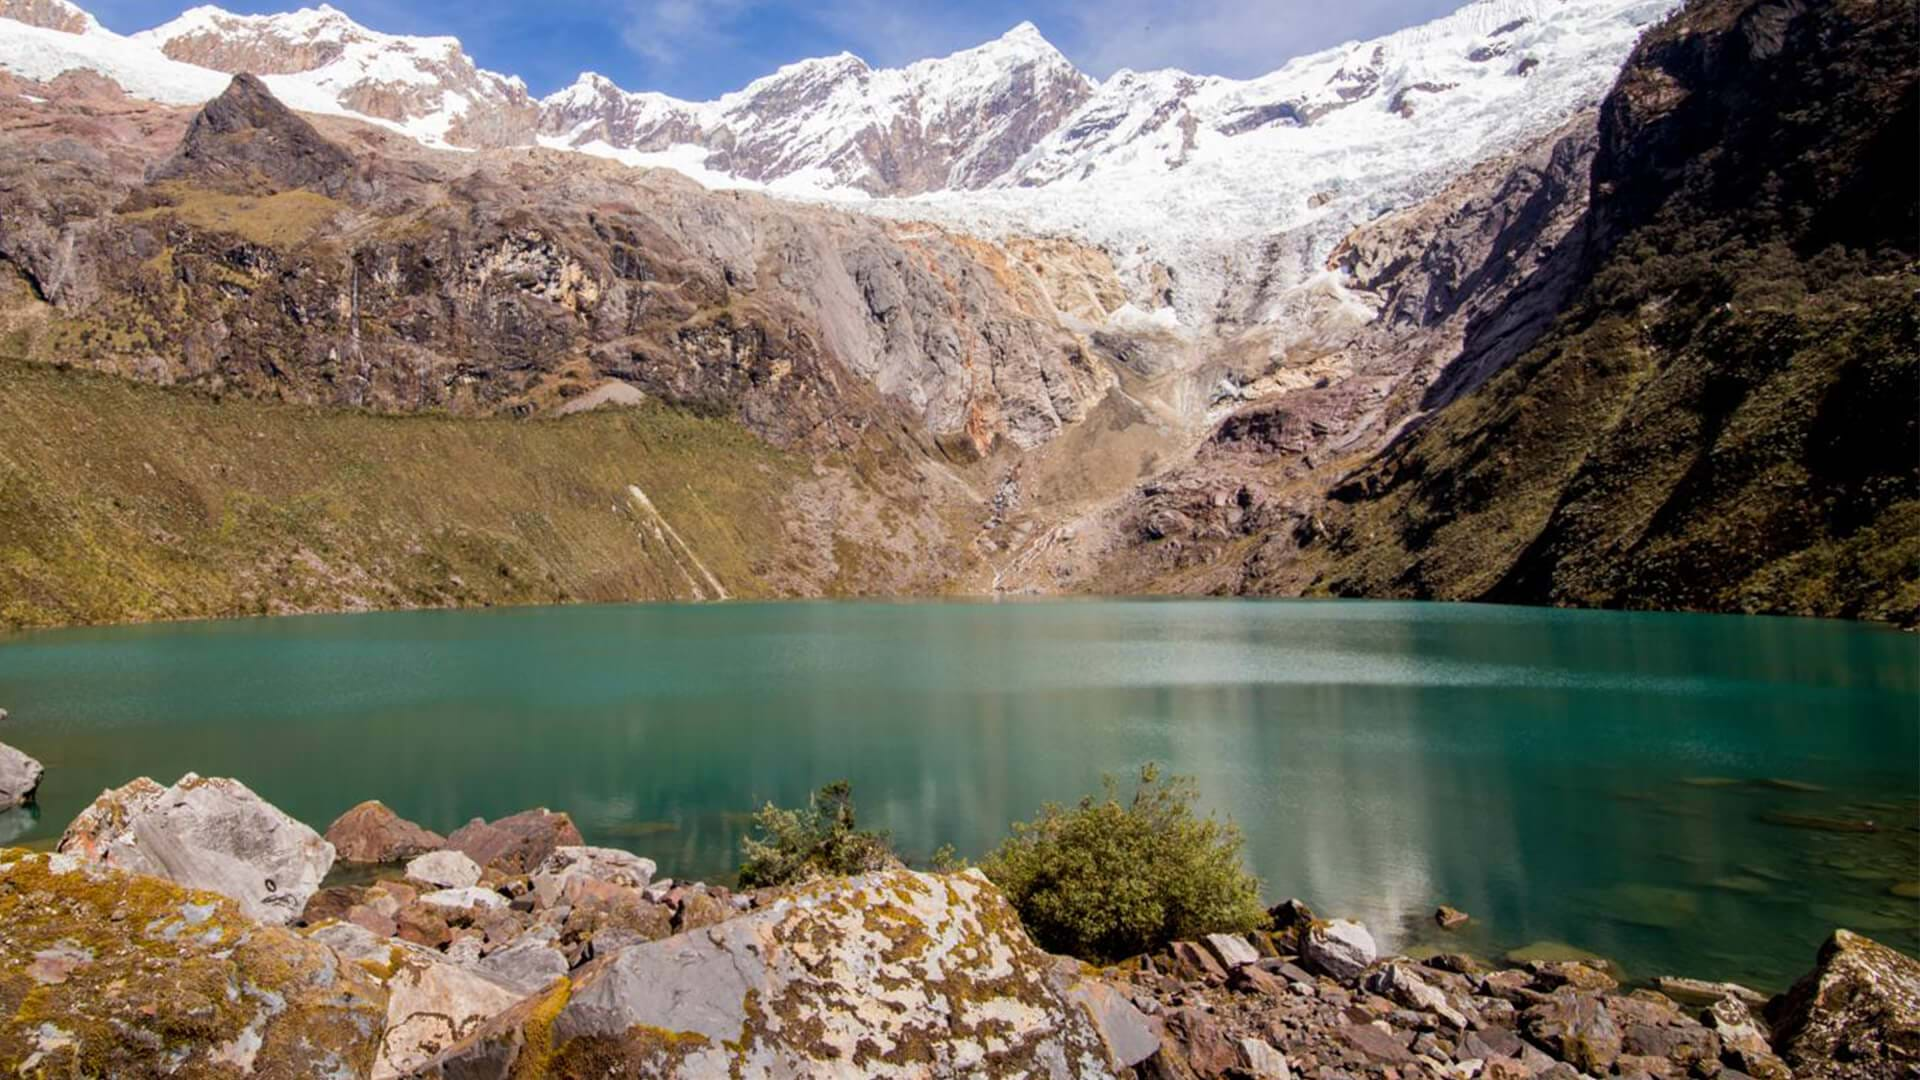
(1725, 419)
(121, 501)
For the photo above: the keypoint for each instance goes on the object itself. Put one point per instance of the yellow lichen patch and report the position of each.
(536, 1053)
(131, 972)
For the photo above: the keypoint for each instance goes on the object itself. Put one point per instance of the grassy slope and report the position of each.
(120, 501)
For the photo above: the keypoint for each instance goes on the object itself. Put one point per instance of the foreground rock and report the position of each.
(1857, 1015)
(431, 1002)
(104, 973)
(889, 974)
(517, 844)
(212, 834)
(371, 833)
(19, 777)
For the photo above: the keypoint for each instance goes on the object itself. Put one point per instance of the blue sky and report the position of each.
(701, 48)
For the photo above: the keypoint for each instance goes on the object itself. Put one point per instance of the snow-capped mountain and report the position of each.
(957, 122)
(1216, 197)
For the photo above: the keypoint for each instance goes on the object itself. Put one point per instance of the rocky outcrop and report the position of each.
(48, 14)
(898, 973)
(246, 137)
(110, 973)
(210, 834)
(516, 844)
(1855, 1016)
(1642, 453)
(371, 833)
(19, 777)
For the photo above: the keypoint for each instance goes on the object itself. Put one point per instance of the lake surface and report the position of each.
(1600, 779)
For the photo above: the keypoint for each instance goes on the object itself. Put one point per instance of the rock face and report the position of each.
(115, 974)
(371, 833)
(212, 834)
(898, 973)
(48, 14)
(517, 844)
(246, 135)
(1676, 498)
(1855, 1016)
(19, 777)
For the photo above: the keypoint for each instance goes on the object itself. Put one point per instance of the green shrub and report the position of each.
(1107, 880)
(795, 846)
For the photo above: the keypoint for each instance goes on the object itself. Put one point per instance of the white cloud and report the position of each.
(667, 33)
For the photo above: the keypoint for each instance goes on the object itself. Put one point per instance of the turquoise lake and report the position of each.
(1660, 789)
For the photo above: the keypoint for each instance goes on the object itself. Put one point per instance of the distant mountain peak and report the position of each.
(49, 15)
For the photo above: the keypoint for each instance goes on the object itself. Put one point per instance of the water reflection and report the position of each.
(1525, 766)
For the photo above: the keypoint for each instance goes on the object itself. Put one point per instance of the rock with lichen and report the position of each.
(122, 974)
(1856, 1015)
(893, 973)
(207, 833)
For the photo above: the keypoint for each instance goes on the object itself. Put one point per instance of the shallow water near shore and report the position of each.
(1680, 793)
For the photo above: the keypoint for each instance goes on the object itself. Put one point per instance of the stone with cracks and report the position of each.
(213, 834)
(1232, 949)
(894, 973)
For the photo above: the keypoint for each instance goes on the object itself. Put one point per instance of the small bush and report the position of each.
(795, 846)
(1107, 880)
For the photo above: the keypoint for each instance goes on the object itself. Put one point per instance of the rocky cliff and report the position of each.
(1723, 418)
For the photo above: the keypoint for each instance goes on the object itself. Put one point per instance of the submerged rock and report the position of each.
(129, 975)
(19, 777)
(371, 833)
(887, 974)
(1855, 1016)
(205, 833)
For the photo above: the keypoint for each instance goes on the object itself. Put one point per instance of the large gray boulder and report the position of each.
(1340, 948)
(19, 777)
(893, 973)
(212, 834)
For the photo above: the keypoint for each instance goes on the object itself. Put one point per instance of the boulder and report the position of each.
(130, 975)
(1129, 1037)
(19, 777)
(889, 973)
(1450, 918)
(444, 870)
(1856, 1015)
(213, 834)
(611, 865)
(1403, 984)
(517, 844)
(1261, 1061)
(527, 966)
(1340, 949)
(371, 833)
(1576, 1028)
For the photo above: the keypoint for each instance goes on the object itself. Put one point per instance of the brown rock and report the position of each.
(1743, 1042)
(517, 844)
(372, 919)
(330, 903)
(1194, 1039)
(1575, 1027)
(1377, 1042)
(1450, 917)
(1194, 963)
(421, 925)
(1856, 1015)
(700, 908)
(371, 833)
(1551, 975)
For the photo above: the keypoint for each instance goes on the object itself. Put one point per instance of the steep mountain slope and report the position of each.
(1725, 418)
